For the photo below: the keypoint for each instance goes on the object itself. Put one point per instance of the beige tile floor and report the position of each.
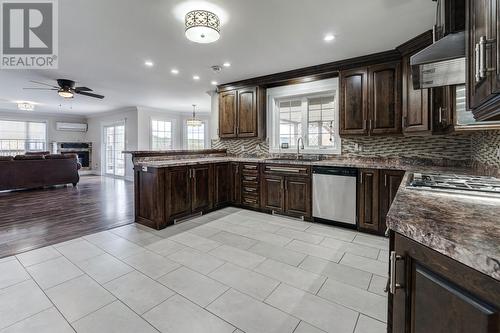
(228, 271)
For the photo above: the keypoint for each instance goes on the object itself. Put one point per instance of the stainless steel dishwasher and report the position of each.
(334, 195)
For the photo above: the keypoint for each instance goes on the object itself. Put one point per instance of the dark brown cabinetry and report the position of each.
(483, 58)
(242, 113)
(222, 184)
(201, 188)
(376, 192)
(370, 100)
(177, 192)
(235, 183)
(389, 185)
(287, 190)
(368, 193)
(250, 185)
(443, 109)
(431, 292)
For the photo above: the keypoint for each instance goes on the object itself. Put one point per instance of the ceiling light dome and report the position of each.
(65, 93)
(202, 26)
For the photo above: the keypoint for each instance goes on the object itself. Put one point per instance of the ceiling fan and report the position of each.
(66, 88)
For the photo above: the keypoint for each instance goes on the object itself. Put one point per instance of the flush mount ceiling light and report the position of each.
(65, 93)
(202, 26)
(26, 106)
(194, 122)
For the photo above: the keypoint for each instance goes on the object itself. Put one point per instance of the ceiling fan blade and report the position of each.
(83, 89)
(45, 84)
(89, 94)
(39, 89)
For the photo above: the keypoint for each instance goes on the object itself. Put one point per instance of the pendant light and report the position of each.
(202, 26)
(194, 122)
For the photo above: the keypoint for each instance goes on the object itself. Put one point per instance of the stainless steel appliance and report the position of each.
(334, 195)
(451, 182)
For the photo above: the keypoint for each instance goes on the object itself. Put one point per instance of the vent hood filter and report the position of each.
(440, 64)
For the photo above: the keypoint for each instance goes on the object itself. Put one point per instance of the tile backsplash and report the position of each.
(453, 147)
(485, 148)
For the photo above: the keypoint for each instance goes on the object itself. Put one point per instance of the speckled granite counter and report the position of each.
(461, 226)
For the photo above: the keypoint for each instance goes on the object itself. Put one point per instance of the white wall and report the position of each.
(95, 135)
(214, 116)
(53, 135)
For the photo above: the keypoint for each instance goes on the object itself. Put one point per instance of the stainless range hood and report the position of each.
(440, 64)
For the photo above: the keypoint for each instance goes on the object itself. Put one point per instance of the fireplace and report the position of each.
(82, 149)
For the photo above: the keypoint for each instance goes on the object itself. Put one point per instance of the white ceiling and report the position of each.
(103, 45)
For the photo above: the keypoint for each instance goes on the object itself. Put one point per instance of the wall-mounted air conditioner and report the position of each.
(71, 127)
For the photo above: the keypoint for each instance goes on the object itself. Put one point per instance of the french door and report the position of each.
(114, 145)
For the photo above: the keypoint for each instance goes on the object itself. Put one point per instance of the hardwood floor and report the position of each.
(37, 218)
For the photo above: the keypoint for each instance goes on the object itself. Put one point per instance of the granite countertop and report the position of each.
(459, 225)
(339, 162)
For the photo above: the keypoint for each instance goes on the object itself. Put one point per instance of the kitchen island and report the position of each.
(444, 261)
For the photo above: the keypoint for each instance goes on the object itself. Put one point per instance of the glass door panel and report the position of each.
(114, 144)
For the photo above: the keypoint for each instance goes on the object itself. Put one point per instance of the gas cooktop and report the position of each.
(487, 185)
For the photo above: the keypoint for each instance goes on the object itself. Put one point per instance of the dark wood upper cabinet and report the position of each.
(443, 109)
(385, 98)
(228, 114)
(354, 102)
(178, 191)
(483, 58)
(368, 202)
(389, 185)
(298, 196)
(201, 188)
(242, 113)
(222, 184)
(428, 282)
(247, 112)
(370, 100)
(416, 104)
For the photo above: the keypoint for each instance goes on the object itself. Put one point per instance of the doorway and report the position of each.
(114, 145)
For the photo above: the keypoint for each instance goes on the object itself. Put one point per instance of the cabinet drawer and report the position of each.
(253, 167)
(250, 200)
(251, 178)
(275, 169)
(250, 190)
(250, 184)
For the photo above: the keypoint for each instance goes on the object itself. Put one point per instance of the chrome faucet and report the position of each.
(301, 146)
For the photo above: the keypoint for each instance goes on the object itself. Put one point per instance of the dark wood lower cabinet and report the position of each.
(201, 188)
(272, 193)
(177, 192)
(235, 175)
(389, 185)
(222, 184)
(298, 196)
(434, 293)
(376, 192)
(368, 192)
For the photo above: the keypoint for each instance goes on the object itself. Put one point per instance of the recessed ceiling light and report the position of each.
(149, 63)
(196, 77)
(226, 64)
(174, 71)
(329, 37)
(214, 83)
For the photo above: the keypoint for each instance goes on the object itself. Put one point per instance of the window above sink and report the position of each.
(308, 111)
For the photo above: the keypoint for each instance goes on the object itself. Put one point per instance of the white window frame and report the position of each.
(205, 140)
(311, 89)
(41, 121)
(172, 130)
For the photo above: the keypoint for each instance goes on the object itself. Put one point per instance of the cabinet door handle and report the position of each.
(392, 273)
(440, 115)
(482, 57)
(371, 124)
(361, 177)
(477, 55)
(385, 180)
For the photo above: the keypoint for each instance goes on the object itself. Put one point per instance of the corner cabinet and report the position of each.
(376, 192)
(370, 100)
(242, 113)
(483, 58)
(430, 292)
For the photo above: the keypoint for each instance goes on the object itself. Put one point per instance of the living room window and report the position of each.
(161, 135)
(195, 136)
(18, 137)
(308, 111)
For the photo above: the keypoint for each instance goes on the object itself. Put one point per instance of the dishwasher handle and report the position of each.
(335, 171)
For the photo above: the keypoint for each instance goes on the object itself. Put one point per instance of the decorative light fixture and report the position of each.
(194, 122)
(202, 26)
(65, 93)
(25, 106)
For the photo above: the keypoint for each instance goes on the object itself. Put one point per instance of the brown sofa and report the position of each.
(32, 171)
